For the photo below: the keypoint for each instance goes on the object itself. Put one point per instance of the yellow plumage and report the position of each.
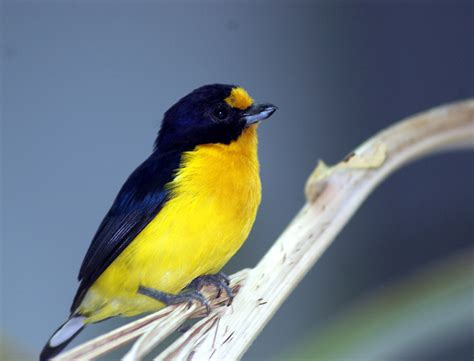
(216, 193)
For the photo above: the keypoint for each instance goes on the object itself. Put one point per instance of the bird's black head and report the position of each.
(214, 113)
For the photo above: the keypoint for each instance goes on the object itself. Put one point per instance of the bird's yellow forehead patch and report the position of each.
(239, 98)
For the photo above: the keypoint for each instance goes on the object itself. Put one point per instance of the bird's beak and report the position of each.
(258, 112)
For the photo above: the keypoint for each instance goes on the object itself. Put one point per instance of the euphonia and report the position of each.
(179, 217)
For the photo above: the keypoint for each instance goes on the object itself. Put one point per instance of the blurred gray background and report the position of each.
(84, 85)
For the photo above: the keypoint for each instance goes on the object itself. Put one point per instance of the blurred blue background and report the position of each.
(84, 85)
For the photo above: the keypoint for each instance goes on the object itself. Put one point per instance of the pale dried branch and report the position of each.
(333, 194)
(151, 329)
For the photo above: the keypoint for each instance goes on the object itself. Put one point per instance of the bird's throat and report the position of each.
(225, 167)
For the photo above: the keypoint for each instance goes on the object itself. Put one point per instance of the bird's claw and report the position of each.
(219, 280)
(197, 296)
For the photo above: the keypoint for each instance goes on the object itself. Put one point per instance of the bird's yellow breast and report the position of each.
(214, 201)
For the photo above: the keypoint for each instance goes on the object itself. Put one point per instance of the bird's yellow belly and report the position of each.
(215, 197)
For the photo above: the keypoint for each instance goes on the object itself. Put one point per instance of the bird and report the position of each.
(179, 217)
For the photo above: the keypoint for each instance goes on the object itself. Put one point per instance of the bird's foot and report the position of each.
(219, 280)
(187, 295)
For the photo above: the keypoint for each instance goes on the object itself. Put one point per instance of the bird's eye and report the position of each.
(220, 112)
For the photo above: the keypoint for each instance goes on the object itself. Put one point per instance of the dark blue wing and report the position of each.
(138, 202)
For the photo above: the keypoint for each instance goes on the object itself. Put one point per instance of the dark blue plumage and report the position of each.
(140, 199)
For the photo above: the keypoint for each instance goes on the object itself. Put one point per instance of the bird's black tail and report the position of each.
(62, 336)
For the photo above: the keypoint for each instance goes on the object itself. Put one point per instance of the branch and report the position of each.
(333, 195)
(153, 328)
